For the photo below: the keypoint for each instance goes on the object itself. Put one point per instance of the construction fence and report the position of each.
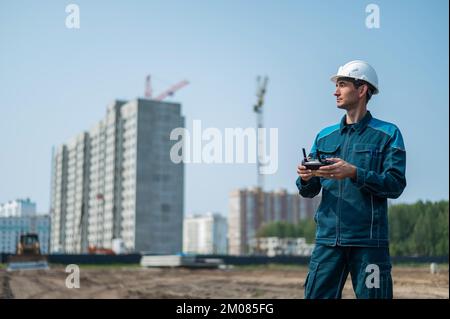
(227, 259)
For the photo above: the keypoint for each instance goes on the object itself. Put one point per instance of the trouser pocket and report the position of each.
(310, 279)
(325, 280)
(374, 281)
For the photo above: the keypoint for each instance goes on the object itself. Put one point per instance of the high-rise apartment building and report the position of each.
(117, 181)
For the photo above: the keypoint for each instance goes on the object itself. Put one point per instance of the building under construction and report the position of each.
(252, 208)
(116, 182)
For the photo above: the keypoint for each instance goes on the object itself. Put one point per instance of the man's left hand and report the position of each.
(339, 170)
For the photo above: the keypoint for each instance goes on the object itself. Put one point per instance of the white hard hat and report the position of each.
(359, 70)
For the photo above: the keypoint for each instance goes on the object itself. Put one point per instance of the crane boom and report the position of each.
(171, 90)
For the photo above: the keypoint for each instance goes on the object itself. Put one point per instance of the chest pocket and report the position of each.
(328, 151)
(367, 156)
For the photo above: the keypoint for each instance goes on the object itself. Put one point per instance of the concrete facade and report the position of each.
(205, 234)
(18, 208)
(12, 227)
(121, 184)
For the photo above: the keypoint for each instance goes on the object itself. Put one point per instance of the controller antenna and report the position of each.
(304, 154)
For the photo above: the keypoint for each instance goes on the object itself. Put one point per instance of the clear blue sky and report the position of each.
(56, 82)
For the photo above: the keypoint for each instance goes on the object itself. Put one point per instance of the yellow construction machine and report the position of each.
(28, 254)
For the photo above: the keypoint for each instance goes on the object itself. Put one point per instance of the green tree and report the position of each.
(419, 229)
(305, 228)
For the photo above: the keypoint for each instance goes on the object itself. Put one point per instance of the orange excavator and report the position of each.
(94, 250)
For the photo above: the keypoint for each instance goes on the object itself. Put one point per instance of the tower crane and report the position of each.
(261, 87)
(169, 92)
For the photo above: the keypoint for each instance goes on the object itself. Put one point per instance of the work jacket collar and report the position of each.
(359, 126)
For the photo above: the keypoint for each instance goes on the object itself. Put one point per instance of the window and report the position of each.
(165, 208)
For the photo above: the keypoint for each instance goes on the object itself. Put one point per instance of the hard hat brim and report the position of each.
(335, 77)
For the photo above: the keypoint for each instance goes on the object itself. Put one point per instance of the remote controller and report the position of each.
(316, 163)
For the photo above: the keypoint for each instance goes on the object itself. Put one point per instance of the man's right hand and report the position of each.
(305, 174)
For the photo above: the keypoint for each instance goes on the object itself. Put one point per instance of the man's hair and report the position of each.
(357, 83)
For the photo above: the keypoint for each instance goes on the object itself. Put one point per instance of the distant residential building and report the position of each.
(275, 246)
(18, 208)
(205, 234)
(19, 217)
(117, 181)
(12, 227)
(252, 208)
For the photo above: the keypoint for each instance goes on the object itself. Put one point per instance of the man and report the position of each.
(368, 167)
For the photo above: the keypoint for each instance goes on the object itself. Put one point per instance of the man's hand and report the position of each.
(305, 174)
(339, 170)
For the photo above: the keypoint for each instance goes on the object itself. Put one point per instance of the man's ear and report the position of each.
(362, 90)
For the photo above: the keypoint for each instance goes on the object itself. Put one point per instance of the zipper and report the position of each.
(371, 223)
(344, 157)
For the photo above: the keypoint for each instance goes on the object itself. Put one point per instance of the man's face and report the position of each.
(347, 96)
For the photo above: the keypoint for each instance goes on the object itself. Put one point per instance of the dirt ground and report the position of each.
(253, 282)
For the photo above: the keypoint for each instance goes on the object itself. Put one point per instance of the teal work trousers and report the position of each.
(369, 268)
